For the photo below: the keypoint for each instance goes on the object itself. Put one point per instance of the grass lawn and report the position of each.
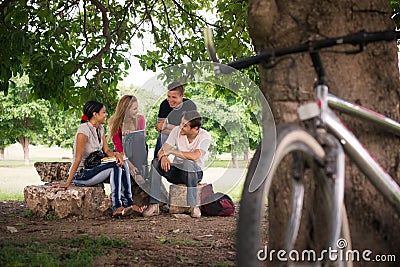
(14, 175)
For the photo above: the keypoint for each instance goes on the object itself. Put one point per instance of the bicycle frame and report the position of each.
(364, 113)
(356, 151)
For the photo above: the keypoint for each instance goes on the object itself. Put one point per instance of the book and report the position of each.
(111, 159)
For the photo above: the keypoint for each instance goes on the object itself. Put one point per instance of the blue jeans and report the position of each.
(100, 174)
(126, 189)
(188, 173)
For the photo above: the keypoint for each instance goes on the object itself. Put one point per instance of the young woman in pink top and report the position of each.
(117, 120)
(127, 130)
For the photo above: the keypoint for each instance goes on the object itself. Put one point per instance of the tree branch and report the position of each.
(106, 34)
(177, 39)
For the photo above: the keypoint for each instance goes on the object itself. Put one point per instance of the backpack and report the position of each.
(218, 204)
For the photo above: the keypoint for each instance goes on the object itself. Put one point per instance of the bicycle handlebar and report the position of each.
(361, 38)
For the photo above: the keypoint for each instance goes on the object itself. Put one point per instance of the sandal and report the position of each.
(131, 210)
(118, 212)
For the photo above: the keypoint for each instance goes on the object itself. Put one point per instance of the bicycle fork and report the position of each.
(331, 179)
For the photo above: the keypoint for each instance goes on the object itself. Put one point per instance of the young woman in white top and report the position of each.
(90, 137)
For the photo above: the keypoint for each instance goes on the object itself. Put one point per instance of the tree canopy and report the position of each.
(78, 50)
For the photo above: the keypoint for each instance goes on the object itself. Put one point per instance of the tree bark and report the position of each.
(24, 141)
(247, 155)
(235, 163)
(1, 153)
(370, 78)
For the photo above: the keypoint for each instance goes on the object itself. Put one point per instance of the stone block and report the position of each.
(86, 202)
(177, 197)
(52, 171)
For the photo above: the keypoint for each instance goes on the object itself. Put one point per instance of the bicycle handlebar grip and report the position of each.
(364, 37)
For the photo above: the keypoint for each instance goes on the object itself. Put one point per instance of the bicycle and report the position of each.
(320, 144)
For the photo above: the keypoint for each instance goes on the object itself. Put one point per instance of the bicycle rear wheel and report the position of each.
(253, 226)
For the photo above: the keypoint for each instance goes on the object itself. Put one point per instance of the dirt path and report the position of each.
(157, 241)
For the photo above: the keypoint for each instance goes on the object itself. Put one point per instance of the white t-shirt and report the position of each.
(202, 142)
(92, 143)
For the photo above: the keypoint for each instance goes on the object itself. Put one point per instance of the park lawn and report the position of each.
(14, 176)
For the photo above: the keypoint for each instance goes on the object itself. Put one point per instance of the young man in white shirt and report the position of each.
(189, 144)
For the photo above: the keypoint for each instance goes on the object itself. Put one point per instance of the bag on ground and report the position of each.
(218, 204)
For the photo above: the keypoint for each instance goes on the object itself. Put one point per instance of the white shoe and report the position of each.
(151, 210)
(195, 212)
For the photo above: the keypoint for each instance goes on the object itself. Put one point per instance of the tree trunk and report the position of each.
(370, 78)
(235, 163)
(246, 155)
(2, 153)
(24, 141)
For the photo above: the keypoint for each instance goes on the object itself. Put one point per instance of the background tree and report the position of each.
(22, 118)
(359, 78)
(4, 142)
(61, 43)
(76, 50)
(61, 129)
(29, 121)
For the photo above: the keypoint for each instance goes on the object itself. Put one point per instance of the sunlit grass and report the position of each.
(15, 175)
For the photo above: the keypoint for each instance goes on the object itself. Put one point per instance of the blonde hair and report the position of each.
(117, 119)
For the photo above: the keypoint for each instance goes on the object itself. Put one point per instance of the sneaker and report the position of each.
(152, 209)
(118, 212)
(195, 212)
(131, 210)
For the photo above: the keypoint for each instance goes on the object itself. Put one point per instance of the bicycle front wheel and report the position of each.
(293, 142)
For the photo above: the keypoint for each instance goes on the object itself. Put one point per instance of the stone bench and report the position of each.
(85, 202)
(178, 193)
(52, 171)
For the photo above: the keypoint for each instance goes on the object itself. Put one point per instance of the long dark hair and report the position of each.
(90, 107)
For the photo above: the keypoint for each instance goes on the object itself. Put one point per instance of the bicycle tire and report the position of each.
(249, 229)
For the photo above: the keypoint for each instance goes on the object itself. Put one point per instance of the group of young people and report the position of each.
(180, 135)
